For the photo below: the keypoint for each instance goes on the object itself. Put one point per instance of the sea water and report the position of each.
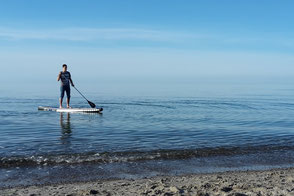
(144, 136)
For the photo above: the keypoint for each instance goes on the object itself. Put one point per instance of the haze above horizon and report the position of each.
(113, 43)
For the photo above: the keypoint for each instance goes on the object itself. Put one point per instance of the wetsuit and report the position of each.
(65, 87)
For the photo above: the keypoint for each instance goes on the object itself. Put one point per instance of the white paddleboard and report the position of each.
(73, 110)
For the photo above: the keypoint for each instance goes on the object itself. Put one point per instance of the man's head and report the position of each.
(64, 67)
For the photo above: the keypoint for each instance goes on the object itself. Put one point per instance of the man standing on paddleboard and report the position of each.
(65, 78)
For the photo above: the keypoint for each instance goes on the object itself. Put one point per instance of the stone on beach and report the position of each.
(228, 184)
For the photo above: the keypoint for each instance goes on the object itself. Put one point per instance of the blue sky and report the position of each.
(111, 43)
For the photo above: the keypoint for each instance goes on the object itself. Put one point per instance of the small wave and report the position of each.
(141, 103)
(217, 104)
(133, 156)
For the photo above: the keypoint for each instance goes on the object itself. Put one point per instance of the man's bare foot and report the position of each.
(60, 107)
(68, 106)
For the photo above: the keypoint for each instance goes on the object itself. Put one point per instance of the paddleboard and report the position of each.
(72, 110)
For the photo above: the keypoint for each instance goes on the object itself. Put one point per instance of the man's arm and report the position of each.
(71, 80)
(59, 76)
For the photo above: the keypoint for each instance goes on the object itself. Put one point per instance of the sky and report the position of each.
(112, 45)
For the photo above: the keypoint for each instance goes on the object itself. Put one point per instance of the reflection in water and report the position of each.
(66, 129)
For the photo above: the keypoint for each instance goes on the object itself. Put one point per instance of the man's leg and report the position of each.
(60, 102)
(67, 102)
(68, 97)
(61, 96)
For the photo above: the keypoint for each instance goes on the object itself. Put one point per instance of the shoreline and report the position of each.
(241, 183)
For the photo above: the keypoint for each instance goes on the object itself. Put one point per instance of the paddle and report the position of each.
(90, 103)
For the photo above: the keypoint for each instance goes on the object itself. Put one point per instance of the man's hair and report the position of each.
(64, 65)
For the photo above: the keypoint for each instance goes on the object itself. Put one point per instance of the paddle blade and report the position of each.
(92, 104)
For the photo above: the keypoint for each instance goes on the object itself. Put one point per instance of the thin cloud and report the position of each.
(189, 39)
(92, 34)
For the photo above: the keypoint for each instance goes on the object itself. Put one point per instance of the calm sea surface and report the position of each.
(138, 136)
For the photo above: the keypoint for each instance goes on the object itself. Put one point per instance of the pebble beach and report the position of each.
(237, 183)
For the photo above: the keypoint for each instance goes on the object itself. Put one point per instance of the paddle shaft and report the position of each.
(81, 93)
(89, 102)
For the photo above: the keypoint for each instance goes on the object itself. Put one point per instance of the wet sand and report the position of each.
(272, 182)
